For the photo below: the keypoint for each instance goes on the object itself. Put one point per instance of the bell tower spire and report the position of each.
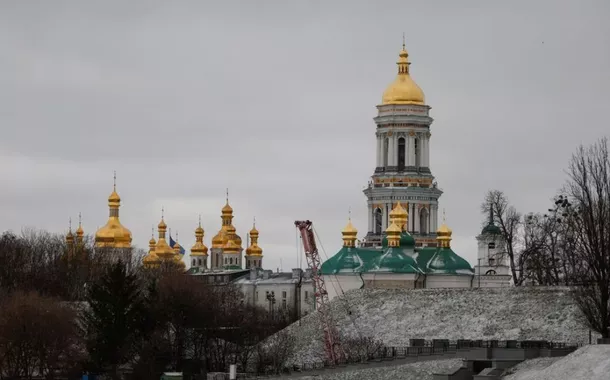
(402, 169)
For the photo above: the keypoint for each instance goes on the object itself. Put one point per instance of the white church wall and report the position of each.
(448, 281)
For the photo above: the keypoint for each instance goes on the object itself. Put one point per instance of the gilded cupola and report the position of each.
(80, 233)
(399, 215)
(113, 234)
(227, 231)
(69, 235)
(443, 235)
(393, 234)
(151, 259)
(403, 90)
(199, 249)
(162, 249)
(254, 249)
(350, 234)
(177, 247)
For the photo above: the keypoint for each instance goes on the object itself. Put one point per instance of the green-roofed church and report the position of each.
(404, 246)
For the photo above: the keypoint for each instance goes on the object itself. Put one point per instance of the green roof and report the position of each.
(348, 260)
(491, 229)
(394, 260)
(433, 260)
(445, 261)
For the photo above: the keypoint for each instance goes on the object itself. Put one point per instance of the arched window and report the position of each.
(386, 145)
(194, 262)
(231, 261)
(423, 221)
(417, 155)
(200, 262)
(491, 245)
(377, 220)
(401, 153)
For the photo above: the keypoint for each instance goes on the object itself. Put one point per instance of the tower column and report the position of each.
(424, 153)
(391, 151)
(416, 219)
(371, 217)
(411, 140)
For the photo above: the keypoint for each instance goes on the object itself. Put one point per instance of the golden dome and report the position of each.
(231, 235)
(199, 249)
(443, 234)
(254, 249)
(176, 248)
(227, 210)
(350, 234)
(403, 90)
(393, 233)
(113, 234)
(219, 240)
(151, 259)
(69, 237)
(162, 249)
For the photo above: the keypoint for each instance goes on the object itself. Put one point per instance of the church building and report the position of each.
(404, 246)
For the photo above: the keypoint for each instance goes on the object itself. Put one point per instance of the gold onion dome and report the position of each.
(69, 237)
(231, 247)
(151, 257)
(199, 249)
(393, 233)
(254, 249)
(350, 234)
(113, 234)
(403, 90)
(162, 249)
(443, 235)
(232, 235)
(219, 240)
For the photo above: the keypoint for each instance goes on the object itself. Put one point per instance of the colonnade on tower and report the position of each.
(402, 168)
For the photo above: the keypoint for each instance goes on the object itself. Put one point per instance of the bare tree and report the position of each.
(588, 220)
(38, 336)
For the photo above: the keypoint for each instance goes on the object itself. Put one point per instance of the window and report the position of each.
(385, 152)
(306, 295)
(401, 153)
(378, 221)
(417, 153)
(200, 262)
(231, 261)
(284, 304)
(491, 245)
(256, 296)
(284, 294)
(194, 261)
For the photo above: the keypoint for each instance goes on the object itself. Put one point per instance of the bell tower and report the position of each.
(402, 170)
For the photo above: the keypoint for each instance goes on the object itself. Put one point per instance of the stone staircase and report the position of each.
(488, 363)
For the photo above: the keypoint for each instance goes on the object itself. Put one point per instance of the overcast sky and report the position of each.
(275, 100)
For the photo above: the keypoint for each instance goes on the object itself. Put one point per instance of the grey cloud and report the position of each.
(275, 100)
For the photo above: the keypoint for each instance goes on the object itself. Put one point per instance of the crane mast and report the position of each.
(332, 345)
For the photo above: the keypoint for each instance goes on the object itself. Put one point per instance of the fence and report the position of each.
(416, 348)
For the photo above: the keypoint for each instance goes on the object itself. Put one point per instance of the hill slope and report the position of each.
(395, 316)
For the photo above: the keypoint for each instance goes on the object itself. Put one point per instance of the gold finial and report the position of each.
(443, 234)
(162, 212)
(349, 213)
(176, 236)
(403, 40)
(70, 224)
(114, 181)
(199, 220)
(444, 218)
(254, 222)
(227, 195)
(152, 234)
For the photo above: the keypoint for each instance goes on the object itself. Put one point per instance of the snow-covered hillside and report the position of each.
(395, 316)
(413, 371)
(589, 362)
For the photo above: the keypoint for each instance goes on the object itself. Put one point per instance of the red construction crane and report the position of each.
(332, 345)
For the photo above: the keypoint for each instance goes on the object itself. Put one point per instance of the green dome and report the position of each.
(445, 261)
(346, 260)
(491, 229)
(394, 260)
(406, 240)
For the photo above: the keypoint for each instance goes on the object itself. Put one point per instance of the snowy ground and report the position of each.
(414, 371)
(395, 316)
(589, 362)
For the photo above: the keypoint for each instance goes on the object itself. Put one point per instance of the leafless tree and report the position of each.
(588, 221)
(38, 336)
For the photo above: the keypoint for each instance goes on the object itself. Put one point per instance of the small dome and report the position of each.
(162, 225)
(444, 230)
(491, 229)
(227, 210)
(445, 261)
(114, 197)
(152, 242)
